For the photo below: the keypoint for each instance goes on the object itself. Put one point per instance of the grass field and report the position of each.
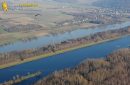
(47, 15)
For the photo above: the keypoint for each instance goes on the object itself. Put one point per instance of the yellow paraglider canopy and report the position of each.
(5, 6)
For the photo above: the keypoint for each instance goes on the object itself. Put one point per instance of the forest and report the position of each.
(113, 70)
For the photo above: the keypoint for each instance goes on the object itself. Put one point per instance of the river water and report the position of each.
(61, 61)
(51, 39)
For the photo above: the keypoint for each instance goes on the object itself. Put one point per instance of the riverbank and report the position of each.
(54, 53)
(41, 41)
(19, 57)
(17, 79)
(112, 70)
(21, 37)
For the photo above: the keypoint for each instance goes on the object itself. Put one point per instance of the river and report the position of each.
(52, 39)
(61, 61)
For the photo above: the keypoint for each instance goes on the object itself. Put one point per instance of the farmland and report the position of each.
(52, 17)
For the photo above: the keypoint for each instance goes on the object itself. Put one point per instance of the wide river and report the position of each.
(61, 61)
(51, 39)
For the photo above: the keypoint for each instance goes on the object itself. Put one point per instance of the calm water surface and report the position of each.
(51, 39)
(62, 61)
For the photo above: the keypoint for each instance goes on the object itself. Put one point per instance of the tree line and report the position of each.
(6, 58)
(113, 70)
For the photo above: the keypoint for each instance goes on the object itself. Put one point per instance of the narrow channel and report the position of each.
(51, 39)
(61, 61)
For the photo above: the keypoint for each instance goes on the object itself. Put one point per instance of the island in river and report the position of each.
(53, 18)
(18, 57)
(113, 70)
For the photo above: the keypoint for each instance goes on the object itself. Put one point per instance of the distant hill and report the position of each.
(119, 4)
(114, 70)
(77, 1)
(67, 1)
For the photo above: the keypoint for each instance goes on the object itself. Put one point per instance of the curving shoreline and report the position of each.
(51, 54)
(17, 79)
(111, 70)
(15, 58)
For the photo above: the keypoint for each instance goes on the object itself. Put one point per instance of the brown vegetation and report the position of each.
(114, 70)
(21, 28)
(17, 79)
(6, 58)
